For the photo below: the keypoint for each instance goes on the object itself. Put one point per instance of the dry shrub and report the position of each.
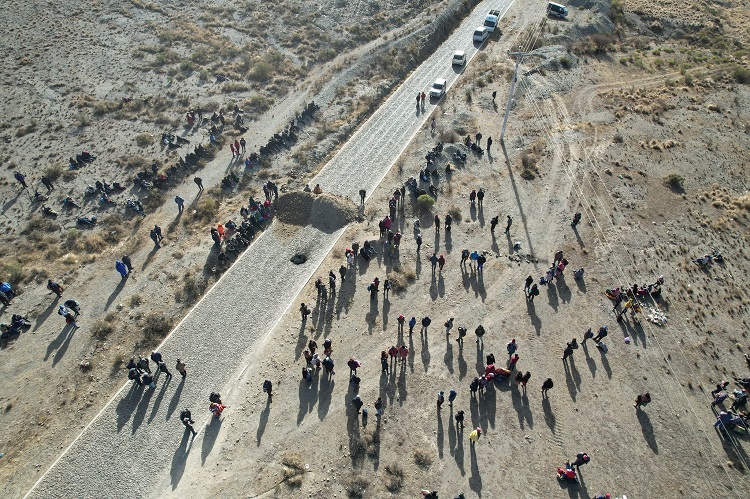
(155, 327)
(394, 477)
(294, 469)
(455, 212)
(206, 211)
(356, 486)
(422, 458)
(104, 327)
(449, 137)
(53, 171)
(401, 278)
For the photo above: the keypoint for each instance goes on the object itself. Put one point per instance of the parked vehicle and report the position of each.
(438, 88)
(459, 58)
(481, 34)
(557, 10)
(493, 17)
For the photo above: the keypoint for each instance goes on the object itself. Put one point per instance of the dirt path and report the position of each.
(121, 429)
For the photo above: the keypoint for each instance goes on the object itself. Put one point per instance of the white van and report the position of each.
(481, 33)
(557, 10)
(459, 58)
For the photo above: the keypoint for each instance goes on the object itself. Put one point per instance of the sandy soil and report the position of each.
(602, 139)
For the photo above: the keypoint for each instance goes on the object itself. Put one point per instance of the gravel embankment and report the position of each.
(131, 443)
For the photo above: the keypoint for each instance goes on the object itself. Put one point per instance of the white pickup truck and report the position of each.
(493, 17)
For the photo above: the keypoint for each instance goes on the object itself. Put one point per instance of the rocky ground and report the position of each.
(646, 139)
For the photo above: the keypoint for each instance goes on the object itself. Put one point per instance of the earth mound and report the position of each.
(325, 212)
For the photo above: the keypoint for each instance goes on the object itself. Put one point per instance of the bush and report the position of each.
(422, 458)
(425, 202)
(356, 486)
(155, 327)
(54, 172)
(394, 479)
(675, 182)
(741, 74)
(144, 139)
(565, 62)
(104, 327)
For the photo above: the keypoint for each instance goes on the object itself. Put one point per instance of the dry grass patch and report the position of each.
(422, 458)
(294, 469)
(394, 477)
(356, 486)
(401, 278)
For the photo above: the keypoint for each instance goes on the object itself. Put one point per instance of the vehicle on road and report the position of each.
(459, 58)
(557, 10)
(493, 17)
(481, 34)
(438, 88)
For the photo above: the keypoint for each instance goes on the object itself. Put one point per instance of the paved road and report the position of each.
(132, 441)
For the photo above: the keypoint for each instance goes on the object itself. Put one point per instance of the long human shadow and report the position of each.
(648, 431)
(563, 290)
(581, 244)
(589, 360)
(126, 405)
(324, 396)
(425, 354)
(518, 198)
(475, 480)
(451, 433)
(554, 302)
(44, 315)
(535, 320)
(60, 344)
(521, 405)
(581, 285)
(116, 292)
(489, 406)
(549, 416)
(448, 357)
(175, 398)
(308, 396)
(210, 435)
(214, 252)
(263, 422)
(159, 398)
(605, 363)
(459, 454)
(440, 436)
(140, 410)
(180, 458)
(569, 378)
(356, 451)
(401, 384)
(462, 365)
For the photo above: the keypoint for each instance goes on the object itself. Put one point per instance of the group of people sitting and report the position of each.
(81, 159)
(237, 237)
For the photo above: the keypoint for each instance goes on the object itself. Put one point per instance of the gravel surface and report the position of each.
(130, 445)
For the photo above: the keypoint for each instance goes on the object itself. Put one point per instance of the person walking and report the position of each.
(21, 178)
(419, 241)
(511, 347)
(426, 321)
(180, 203)
(441, 262)
(199, 182)
(489, 144)
(122, 269)
(472, 197)
(268, 388)
(601, 334)
(567, 352)
(508, 224)
(437, 223)
(546, 386)
(362, 195)
(474, 436)
(379, 408)
(162, 367)
(528, 283)
(55, 287)
(642, 399)
(155, 238)
(479, 331)
(69, 317)
(587, 335)
(720, 387)
(474, 387)
(332, 282)
(461, 334)
(304, 311)
(440, 400)
(460, 420)
(412, 323)
(128, 263)
(434, 262)
(187, 419)
(533, 292)
(180, 367)
(493, 223)
(452, 396)
(404, 354)
(576, 220)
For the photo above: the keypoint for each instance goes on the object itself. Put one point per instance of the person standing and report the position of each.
(451, 396)
(479, 331)
(480, 197)
(362, 195)
(243, 144)
(641, 400)
(162, 366)
(419, 241)
(493, 223)
(437, 223)
(472, 197)
(546, 386)
(199, 182)
(379, 408)
(180, 203)
(489, 144)
(434, 262)
(587, 336)
(69, 317)
(180, 367)
(567, 352)
(268, 388)
(461, 334)
(474, 387)
(441, 262)
(440, 399)
(155, 238)
(21, 179)
(426, 321)
(508, 224)
(511, 347)
(128, 263)
(412, 323)
(576, 220)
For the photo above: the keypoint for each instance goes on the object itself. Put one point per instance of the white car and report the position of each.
(481, 34)
(459, 58)
(438, 88)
